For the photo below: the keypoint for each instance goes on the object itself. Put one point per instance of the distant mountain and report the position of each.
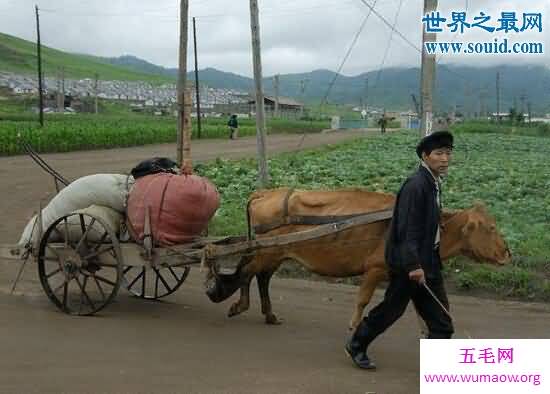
(471, 89)
(138, 65)
(468, 88)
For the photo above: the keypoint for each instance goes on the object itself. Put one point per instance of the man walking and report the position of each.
(412, 253)
(233, 127)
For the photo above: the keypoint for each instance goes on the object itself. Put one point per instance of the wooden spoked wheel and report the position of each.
(80, 263)
(155, 282)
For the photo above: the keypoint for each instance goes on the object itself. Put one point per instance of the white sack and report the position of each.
(107, 190)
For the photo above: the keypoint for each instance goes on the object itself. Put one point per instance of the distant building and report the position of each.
(288, 107)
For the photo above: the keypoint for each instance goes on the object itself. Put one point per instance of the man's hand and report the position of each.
(418, 276)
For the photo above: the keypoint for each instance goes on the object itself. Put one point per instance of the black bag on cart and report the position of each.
(154, 166)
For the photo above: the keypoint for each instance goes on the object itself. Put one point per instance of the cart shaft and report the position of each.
(12, 252)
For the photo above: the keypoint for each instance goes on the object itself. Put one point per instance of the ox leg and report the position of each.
(371, 279)
(263, 279)
(243, 304)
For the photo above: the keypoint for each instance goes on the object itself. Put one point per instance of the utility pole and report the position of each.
(183, 120)
(96, 82)
(427, 77)
(59, 94)
(276, 88)
(468, 101)
(498, 96)
(522, 98)
(62, 89)
(63, 84)
(263, 178)
(197, 79)
(40, 93)
(483, 104)
(529, 111)
(302, 95)
(367, 94)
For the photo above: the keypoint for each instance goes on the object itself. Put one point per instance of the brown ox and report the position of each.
(355, 251)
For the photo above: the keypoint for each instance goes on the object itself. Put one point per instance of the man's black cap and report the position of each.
(439, 139)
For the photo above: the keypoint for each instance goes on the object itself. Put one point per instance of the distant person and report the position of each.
(383, 123)
(233, 127)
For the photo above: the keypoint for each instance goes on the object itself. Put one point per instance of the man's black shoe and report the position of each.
(359, 358)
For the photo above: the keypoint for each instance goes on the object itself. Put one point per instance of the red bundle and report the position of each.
(180, 207)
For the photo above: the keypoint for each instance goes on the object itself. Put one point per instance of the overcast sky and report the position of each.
(296, 35)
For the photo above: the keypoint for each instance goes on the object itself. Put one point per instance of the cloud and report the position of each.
(295, 36)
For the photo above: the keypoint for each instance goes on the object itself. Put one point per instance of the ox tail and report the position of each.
(249, 230)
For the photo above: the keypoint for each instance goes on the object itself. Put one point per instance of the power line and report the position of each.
(389, 43)
(372, 10)
(347, 55)
(443, 67)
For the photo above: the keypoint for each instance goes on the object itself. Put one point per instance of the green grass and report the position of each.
(19, 56)
(535, 129)
(516, 281)
(503, 171)
(63, 133)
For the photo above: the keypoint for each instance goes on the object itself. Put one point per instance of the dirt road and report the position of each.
(187, 344)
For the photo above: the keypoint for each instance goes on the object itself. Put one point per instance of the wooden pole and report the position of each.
(182, 74)
(263, 177)
(522, 99)
(498, 97)
(468, 102)
(63, 80)
(197, 80)
(302, 95)
(96, 78)
(40, 90)
(60, 99)
(187, 165)
(276, 88)
(427, 77)
(366, 94)
(62, 89)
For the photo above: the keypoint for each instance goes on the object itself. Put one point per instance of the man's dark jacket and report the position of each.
(410, 243)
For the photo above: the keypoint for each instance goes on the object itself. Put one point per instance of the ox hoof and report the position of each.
(234, 310)
(272, 320)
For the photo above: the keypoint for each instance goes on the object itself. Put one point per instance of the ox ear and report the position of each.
(469, 228)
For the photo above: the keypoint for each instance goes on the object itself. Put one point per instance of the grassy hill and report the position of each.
(19, 56)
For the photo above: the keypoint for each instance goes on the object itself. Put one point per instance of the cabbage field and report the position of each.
(63, 133)
(509, 173)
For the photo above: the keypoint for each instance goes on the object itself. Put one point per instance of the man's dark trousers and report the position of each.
(401, 289)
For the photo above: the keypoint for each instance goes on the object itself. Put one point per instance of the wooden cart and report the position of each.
(82, 273)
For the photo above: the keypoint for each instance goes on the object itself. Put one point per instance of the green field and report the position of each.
(508, 128)
(63, 133)
(19, 56)
(506, 172)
